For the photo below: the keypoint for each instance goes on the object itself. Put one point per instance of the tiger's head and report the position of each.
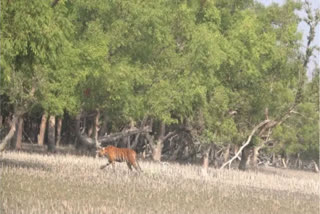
(101, 152)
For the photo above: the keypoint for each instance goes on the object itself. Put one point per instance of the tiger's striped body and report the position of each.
(115, 154)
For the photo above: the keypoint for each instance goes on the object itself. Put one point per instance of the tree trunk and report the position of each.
(213, 157)
(254, 159)
(19, 133)
(131, 127)
(274, 159)
(34, 130)
(175, 153)
(278, 161)
(149, 142)
(205, 163)
(135, 142)
(13, 141)
(284, 163)
(51, 133)
(96, 129)
(249, 159)
(136, 138)
(81, 140)
(27, 129)
(298, 162)
(59, 126)
(90, 130)
(42, 129)
(144, 154)
(316, 168)
(244, 158)
(10, 134)
(156, 154)
(157, 151)
(235, 149)
(103, 129)
(1, 118)
(226, 153)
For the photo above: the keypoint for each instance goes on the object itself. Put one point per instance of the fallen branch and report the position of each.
(247, 142)
(119, 135)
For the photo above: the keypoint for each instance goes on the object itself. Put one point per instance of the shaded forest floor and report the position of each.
(62, 183)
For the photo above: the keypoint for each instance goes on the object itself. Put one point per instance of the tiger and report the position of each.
(115, 154)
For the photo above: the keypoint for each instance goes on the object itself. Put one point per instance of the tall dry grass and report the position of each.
(33, 183)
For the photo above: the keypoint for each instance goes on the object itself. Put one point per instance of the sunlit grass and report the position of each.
(33, 183)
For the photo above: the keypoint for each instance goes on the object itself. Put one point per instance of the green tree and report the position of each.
(33, 38)
(301, 133)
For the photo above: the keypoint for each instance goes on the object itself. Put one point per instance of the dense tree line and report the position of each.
(175, 80)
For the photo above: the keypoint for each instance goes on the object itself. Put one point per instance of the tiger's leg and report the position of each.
(137, 166)
(129, 166)
(113, 166)
(104, 166)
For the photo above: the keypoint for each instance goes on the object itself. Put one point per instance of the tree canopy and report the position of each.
(217, 66)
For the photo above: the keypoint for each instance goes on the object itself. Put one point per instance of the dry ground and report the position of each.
(35, 183)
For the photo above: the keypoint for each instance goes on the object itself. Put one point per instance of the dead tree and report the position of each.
(263, 123)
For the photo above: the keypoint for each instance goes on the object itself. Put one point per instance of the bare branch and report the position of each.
(247, 142)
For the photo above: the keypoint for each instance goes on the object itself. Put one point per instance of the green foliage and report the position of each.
(38, 55)
(301, 133)
(174, 61)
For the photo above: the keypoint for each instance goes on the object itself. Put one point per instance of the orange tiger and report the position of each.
(120, 155)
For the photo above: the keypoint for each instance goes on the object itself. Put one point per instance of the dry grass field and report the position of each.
(35, 183)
